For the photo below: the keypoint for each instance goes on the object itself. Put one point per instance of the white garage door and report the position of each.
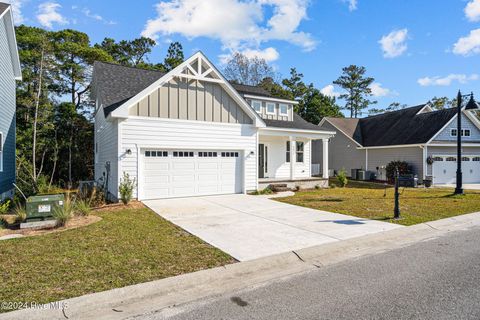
(445, 169)
(184, 173)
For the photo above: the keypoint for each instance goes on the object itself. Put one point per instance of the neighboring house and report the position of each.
(414, 135)
(9, 72)
(190, 132)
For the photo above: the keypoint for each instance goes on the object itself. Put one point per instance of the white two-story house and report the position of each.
(190, 132)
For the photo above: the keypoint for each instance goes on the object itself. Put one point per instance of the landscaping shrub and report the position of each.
(65, 213)
(403, 168)
(267, 190)
(82, 207)
(5, 206)
(20, 212)
(342, 178)
(126, 188)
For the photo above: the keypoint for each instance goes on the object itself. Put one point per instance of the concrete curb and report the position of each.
(148, 297)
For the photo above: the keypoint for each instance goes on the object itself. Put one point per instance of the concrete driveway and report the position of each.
(467, 186)
(250, 227)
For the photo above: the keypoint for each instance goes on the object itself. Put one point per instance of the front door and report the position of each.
(261, 160)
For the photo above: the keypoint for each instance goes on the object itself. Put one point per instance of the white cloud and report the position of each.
(472, 10)
(379, 91)
(239, 25)
(394, 44)
(268, 54)
(17, 10)
(468, 45)
(352, 4)
(89, 14)
(329, 91)
(48, 14)
(448, 80)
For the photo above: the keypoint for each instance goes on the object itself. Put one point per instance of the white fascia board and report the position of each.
(254, 97)
(454, 144)
(122, 111)
(311, 134)
(12, 41)
(420, 145)
(346, 135)
(428, 106)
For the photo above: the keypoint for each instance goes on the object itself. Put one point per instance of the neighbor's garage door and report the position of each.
(445, 169)
(183, 173)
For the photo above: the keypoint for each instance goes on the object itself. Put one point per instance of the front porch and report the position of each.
(285, 159)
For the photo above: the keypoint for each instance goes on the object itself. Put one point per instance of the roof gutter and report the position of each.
(420, 145)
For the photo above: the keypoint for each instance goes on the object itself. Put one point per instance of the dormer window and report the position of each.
(270, 108)
(283, 109)
(257, 106)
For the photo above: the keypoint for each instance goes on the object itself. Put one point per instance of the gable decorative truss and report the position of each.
(199, 68)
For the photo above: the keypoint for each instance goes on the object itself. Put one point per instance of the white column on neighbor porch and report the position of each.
(293, 153)
(325, 159)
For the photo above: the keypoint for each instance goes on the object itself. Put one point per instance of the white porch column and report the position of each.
(325, 159)
(293, 154)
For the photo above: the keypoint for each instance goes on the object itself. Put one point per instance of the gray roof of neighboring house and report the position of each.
(406, 126)
(3, 7)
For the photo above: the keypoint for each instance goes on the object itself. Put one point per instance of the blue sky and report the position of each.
(429, 47)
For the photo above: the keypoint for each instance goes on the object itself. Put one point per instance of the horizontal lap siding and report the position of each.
(139, 133)
(277, 165)
(342, 152)
(7, 112)
(381, 157)
(106, 135)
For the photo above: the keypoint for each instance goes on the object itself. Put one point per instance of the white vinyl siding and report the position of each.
(106, 142)
(167, 134)
(278, 167)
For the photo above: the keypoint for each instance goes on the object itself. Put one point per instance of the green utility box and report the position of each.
(41, 207)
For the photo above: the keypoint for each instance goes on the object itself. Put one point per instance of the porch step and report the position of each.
(279, 187)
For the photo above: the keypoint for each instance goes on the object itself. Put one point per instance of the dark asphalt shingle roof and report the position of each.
(297, 123)
(3, 7)
(251, 90)
(114, 84)
(399, 127)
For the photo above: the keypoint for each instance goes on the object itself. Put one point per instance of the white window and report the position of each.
(283, 109)
(300, 147)
(1, 151)
(257, 106)
(287, 158)
(270, 108)
(463, 132)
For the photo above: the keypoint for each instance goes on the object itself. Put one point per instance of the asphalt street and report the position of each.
(435, 279)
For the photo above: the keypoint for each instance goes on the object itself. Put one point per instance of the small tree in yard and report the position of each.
(403, 168)
(126, 188)
(342, 178)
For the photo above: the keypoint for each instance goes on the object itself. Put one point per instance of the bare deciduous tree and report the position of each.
(249, 71)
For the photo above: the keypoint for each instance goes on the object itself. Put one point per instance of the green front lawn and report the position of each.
(126, 247)
(368, 200)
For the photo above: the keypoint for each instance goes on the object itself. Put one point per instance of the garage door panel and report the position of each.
(444, 172)
(156, 165)
(205, 172)
(183, 165)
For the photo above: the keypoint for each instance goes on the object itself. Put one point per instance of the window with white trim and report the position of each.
(451, 159)
(257, 105)
(300, 148)
(270, 108)
(207, 154)
(463, 132)
(283, 109)
(183, 154)
(287, 154)
(154, 153)
(1, 151)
